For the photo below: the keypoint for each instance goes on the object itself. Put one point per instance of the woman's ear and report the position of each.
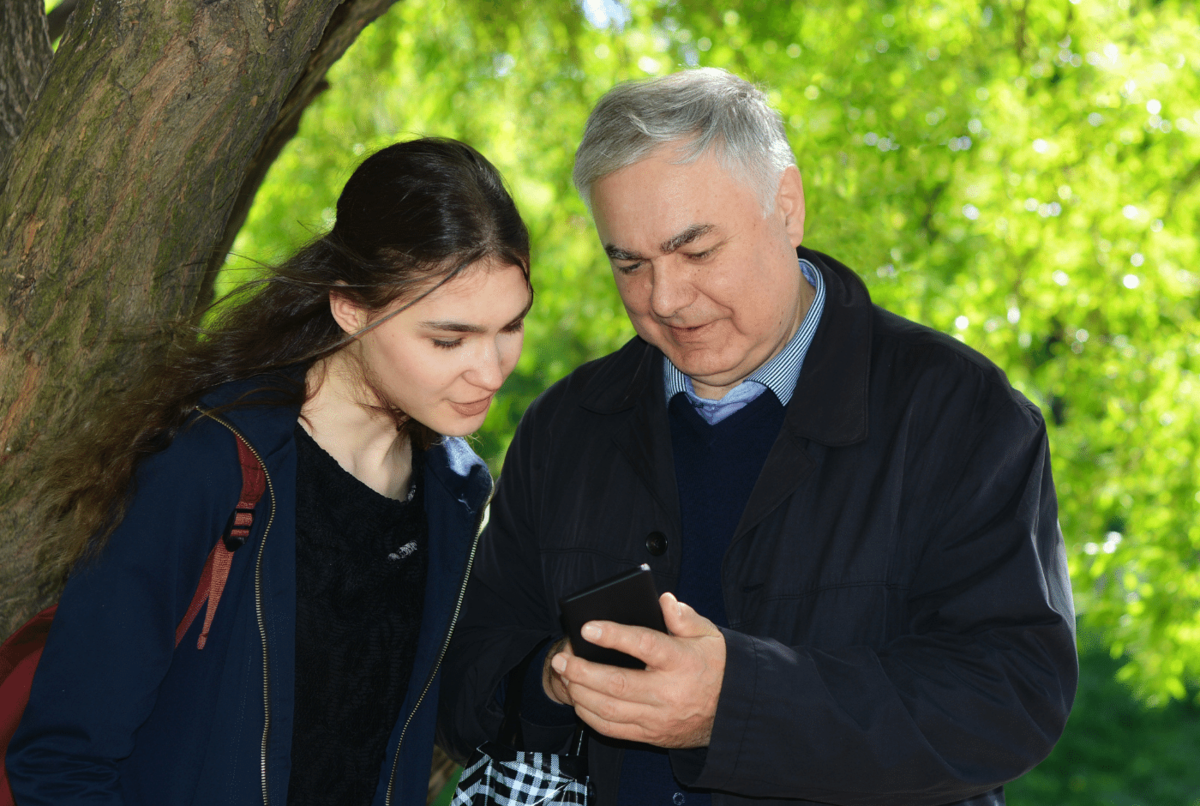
(350, 316)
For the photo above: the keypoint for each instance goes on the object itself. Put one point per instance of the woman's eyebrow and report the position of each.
(453, 327)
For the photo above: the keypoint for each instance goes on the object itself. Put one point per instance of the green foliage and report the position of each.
(1023, 176)
(1115, 752)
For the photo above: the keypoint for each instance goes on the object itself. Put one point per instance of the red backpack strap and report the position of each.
(216, 567)
(19, 655)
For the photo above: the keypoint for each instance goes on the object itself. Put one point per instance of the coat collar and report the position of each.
(830, 402)
(829, 405)
(252, 406)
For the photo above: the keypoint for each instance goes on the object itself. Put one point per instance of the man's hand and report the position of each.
(671, 703)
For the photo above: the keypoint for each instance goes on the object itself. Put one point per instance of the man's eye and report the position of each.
(707, 253)
(627, 268)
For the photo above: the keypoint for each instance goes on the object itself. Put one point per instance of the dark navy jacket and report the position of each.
(118, 715)
(901, 627)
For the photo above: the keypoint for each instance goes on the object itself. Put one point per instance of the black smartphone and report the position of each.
(627, 598)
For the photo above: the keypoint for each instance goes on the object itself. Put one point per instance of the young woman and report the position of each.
(352, 372)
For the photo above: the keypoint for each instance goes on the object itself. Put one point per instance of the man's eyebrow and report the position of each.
(692, 233)
(617, 253)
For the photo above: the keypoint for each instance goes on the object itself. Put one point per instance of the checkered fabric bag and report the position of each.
(500, 776)
(502, 773)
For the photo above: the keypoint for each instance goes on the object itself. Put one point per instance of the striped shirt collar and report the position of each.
(779, 374)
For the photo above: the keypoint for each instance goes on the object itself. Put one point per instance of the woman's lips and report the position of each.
(474, 408)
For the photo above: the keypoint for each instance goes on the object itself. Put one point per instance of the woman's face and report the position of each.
(441, 360)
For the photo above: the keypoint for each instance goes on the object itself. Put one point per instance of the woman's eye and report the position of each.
(447, 344)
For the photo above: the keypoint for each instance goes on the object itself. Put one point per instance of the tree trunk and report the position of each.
(152, 128)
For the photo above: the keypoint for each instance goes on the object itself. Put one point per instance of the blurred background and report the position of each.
(1022, 175)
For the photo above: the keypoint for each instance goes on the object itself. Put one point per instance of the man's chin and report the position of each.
(708, 374)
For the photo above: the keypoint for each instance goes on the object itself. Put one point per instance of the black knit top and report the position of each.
(361, 561)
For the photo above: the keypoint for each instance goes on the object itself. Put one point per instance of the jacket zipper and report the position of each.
(462, 591)
(258, 604)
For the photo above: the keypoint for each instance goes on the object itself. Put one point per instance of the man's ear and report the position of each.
(789, 202)
(349, 315)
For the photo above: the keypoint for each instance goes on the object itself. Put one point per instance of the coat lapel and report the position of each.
(632, 391)
(829, 405)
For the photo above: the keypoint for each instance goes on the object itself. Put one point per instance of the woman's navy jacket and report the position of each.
(118, 715)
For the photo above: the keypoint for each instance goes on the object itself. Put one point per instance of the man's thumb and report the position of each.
(682, 620)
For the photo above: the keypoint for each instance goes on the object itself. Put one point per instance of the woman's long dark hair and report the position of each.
(412, 216)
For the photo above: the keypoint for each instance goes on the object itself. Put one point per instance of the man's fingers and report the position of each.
(552, 682)
(649, 646)
(631, 731)
(637, 723)
(670, 703)
(613, 681)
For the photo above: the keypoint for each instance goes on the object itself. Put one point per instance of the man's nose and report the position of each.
(671, 289)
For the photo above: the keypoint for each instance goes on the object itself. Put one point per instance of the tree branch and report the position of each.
(1022, 19)
(344, 27)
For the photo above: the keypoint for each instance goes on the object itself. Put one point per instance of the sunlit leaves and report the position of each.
(1025, 176)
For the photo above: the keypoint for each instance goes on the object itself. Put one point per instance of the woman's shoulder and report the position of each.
(200, 466)
(263, 410)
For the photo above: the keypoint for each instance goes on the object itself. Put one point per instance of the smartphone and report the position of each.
(627, 598)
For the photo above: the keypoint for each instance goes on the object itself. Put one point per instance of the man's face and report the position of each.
(704, 276)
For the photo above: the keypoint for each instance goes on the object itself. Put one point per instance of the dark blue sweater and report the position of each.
(716, 467)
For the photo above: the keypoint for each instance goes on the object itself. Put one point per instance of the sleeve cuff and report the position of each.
(536, 707)
(715, 766)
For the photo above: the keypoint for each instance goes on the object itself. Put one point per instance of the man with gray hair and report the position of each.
(852, 515)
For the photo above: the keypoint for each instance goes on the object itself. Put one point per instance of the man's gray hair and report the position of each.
(700, 109)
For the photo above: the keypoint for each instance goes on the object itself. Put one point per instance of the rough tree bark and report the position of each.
(118, 186)
(122, 185)
(24, 56)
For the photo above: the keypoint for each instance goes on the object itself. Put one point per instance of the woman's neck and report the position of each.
(363, 440)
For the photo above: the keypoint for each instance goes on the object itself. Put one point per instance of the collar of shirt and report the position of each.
(779, 374)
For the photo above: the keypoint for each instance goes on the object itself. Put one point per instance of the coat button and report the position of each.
(656, 544)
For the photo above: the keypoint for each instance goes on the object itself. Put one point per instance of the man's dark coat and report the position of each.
(901, 626)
